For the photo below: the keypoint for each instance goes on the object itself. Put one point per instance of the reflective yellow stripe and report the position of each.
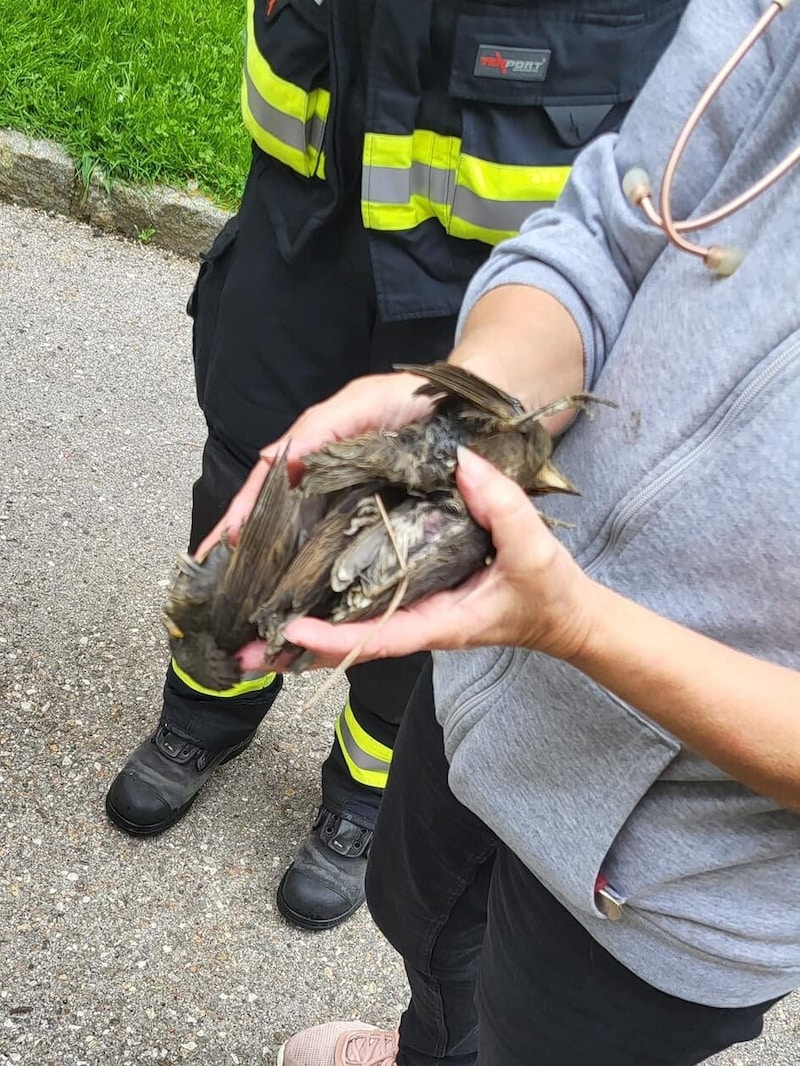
(492, 200)
(283, 119)
(367, 759)
(409, 178)
(507, 182)
(252, 684)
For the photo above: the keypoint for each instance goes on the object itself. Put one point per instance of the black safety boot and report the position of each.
(325, 883)
(163, 777)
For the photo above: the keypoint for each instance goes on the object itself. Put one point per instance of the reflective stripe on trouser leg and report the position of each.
(367, 759)
(254, 683)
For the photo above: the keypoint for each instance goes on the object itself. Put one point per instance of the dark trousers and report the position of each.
(500, 972)
(270, 339)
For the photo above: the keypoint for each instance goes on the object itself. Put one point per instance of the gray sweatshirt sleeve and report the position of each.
(593, 250)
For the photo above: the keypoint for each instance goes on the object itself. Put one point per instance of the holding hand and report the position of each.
(533, 595)
(385, 400)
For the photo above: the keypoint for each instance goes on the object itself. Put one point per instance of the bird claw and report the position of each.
(578, 401)
(556, 523)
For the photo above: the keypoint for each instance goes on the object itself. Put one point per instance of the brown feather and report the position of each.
(305, 586)
(268, 541)
(455, 381)
(441, 546)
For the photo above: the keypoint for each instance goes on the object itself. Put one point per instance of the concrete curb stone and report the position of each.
(40, 174)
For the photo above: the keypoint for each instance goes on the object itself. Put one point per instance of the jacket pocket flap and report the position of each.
(524, 56)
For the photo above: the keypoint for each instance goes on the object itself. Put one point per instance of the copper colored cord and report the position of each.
(714, 257)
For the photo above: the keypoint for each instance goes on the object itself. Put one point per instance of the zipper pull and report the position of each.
(607, 900)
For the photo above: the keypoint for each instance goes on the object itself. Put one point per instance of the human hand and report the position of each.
(379, 400)
(533, 595)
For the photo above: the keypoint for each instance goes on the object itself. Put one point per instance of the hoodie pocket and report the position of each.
(555, 765)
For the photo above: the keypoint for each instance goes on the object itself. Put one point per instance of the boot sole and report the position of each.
(315, 924)
(134, 829)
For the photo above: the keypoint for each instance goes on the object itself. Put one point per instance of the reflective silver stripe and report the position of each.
(290, 131)
(396, 185)
(504, 215)
(357, 755)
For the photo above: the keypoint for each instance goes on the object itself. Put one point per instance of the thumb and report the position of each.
(495, 502)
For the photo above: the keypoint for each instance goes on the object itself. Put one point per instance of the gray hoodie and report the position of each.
(691, 507)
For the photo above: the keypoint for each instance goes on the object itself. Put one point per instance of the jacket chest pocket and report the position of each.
(534, 87)
(286, 84)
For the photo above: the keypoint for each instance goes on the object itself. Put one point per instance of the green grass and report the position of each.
(148, 90)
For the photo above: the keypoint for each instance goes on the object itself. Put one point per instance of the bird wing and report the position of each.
(445, 378)
(304, 587)
(354, 461)
(189, 604)
(268, 541)
(439, 546)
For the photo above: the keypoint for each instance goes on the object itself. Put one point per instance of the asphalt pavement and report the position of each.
(168, 950)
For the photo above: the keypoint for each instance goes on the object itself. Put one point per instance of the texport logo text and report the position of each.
(517, 64)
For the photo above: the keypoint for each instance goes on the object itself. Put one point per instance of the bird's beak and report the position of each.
(550, 479)
(174, 631)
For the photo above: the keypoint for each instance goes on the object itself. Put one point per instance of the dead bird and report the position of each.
(305, 585)
(430, 544)
(395, 557)
(422, 455)
(428, 541)
(376, 521)
(209, 609)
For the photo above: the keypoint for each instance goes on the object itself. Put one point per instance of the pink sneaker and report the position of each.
(340, 1044)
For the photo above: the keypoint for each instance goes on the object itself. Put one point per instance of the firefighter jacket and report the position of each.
(451, 120)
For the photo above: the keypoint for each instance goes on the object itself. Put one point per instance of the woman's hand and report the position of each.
(533, 595)
(380, 400)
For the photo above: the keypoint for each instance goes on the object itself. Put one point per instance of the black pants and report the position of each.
(498, 969)
(270, 339)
